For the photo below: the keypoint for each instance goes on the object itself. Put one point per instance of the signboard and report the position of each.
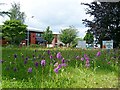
(107, 44)
(81, 44)
(90, 46)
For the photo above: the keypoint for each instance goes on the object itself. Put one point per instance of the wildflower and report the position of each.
(48, 52)
(29, 70)
(15, 55)
(25, 62)
(34, 58)
(98, 54)
(36, 64)
(77, 57)
(86, 57)
(51, 56)
(63, 64)
(56, 70)
(1, 61)
(59, 56)
(56, 64)
(59, 66)
(116, 61)
(26, 58)
(15, 69)
(43, 63)
(87, 63)
(82, 59)
(14, 78)
(108, 62)
(63, 60)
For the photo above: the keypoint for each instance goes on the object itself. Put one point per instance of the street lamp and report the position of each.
(28, 37)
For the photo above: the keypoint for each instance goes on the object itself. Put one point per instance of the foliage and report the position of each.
(2, 13)
(14, 31)
(14, 13)
(102, 72)
(68, 35)
(36, 46)
(106, 22)
(48, 35)
(89, 38)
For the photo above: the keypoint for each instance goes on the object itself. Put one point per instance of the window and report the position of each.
(38, 35)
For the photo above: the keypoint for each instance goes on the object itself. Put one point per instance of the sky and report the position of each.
(58, 14)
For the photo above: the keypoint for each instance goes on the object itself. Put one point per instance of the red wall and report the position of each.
(32, 38)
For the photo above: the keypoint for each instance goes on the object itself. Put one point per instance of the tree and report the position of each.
(89, 38)
(68, 35)
(2, 13)
(14, 31)
(14, 13)
(106, 22)
(48, 35)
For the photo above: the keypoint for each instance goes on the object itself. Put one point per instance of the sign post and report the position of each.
(108, 45)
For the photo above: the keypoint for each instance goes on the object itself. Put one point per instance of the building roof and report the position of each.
(38, 30)
(56, 33)
(34, 29)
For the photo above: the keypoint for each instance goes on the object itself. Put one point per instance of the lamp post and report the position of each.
(28, 37)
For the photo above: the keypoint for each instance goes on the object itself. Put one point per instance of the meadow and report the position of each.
(59, 68)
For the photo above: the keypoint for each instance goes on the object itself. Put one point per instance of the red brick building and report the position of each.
(34, 36)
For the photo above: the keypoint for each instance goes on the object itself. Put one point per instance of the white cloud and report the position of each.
(54, 13)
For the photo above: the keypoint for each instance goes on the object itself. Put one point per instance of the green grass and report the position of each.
(100, 74)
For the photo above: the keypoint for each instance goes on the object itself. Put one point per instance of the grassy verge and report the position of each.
(102, 72)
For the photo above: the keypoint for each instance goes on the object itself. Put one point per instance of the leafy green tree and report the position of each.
(89, 38)
(14, 31)
(68, 35)
(15, 13)
(106, 21)
(48, 35)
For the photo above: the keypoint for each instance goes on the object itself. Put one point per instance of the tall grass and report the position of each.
(101, 73)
